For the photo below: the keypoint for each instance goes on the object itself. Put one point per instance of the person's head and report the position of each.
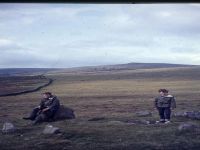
(46, 95)
(163, 92)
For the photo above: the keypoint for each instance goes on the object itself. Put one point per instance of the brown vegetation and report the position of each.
(115, 96)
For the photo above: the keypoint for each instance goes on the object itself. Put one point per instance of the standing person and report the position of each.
(164, 103)
(46, 110)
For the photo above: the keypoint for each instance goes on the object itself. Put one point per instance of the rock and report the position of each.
(197, 115)
(179, 114)
(130, 122)
(193, 115)
(49, 129)
(116, 122)
(143, 113)
(8, 127)
(144, 122)
(26, 139)
(64, 113)
(189, 114)
(188, 127)
(152, 122)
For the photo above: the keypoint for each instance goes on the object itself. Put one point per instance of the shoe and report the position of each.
(27, 118)
(160, 121)
(166, 122)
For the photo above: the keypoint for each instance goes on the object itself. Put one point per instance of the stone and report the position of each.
(64, 113)
(145, 122)
(152, 122)
(49, 129)
(143, 113)
(179, 114)
(116, 122)
(142, 122)
(197, 115)
(8, 127)
(26, 139)
(189, 114)
(193, 115)
(187, 127)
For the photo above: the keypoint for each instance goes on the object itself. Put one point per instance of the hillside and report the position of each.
(114, 95)
(23, 71)
(129, 66)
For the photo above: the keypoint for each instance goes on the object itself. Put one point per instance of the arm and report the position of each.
(45, 109)
(55, 104)
(173, 103)
(41, 105)
(156, 103)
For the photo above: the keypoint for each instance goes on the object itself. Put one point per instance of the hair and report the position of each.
(163, 90)
(47, 93)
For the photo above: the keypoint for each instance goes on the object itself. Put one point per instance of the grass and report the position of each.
(116, 96)
(20, 83)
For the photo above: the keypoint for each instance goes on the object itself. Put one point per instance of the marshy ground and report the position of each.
(112, 95)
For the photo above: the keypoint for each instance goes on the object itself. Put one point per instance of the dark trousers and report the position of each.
(164, 112)
(40, 116)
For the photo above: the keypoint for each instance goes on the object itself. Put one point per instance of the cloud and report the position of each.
(26, 14)
(5, 42)
(187, 50)
(174, 19)
(66, 35)
(8, 45)
(14, 54)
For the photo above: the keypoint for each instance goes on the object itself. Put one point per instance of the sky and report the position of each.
(74, 35)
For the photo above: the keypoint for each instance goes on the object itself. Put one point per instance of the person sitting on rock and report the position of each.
(164, 103)
(46, 110)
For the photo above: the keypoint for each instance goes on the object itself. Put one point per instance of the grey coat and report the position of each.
(52, 103)
(165, 101)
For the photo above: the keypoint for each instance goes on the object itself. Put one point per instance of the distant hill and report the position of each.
(129, 66)
(23, 71)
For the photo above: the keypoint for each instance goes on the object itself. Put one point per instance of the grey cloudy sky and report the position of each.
(71, 35)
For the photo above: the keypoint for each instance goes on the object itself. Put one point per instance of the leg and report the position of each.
(161, 114)
(48, 115)
(33, 114)
(44, 116)
(40, 118)
(167, 113)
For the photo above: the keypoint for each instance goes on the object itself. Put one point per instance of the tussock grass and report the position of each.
(116, 96)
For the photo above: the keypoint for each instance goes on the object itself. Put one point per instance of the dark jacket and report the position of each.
(52, 103)
(165, 101)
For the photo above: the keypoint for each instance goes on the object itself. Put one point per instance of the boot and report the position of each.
(26, 118)
(37, 120)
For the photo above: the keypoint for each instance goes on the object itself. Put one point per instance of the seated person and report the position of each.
(46, 110)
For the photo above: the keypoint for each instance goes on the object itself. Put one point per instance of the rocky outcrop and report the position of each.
(188, 114)
(49, 129)
(64, 113)
(8, 128)
(188, 127)
(143, 113)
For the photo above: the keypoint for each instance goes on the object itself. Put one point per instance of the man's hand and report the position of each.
(43, 110)
(172, 108)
